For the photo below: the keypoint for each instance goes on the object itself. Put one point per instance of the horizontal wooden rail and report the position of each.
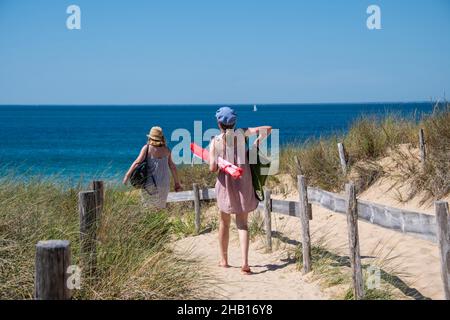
(409, 222)
(205, 194)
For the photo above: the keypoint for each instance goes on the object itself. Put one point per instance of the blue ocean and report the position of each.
(87, 142)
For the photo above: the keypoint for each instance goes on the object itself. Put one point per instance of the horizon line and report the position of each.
(215, 104)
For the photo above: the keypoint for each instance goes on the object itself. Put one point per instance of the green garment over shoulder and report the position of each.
(259, 169)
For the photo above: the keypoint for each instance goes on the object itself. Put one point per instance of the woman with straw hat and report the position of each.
(159, 163)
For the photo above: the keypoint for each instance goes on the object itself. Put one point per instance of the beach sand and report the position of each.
(274, 277)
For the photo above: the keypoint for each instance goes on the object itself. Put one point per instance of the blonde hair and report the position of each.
(156, 143)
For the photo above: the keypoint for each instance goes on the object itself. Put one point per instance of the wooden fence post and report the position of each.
(52, 260)
(342, 158)
(310, 215)
(88, 229)
(443, 233)
(353, 241)
(423, 152)
(98, 187)
(197, 209)
(268, 217)
(304, 219)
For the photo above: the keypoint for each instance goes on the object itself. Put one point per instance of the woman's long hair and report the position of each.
(156, 143)
(234, 143)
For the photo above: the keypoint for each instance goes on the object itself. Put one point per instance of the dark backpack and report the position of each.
(258, 178)
(138, 177)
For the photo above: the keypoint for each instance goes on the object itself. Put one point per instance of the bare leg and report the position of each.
(224, 237)
(242, 225)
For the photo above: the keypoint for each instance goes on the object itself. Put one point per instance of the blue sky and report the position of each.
(233, 51)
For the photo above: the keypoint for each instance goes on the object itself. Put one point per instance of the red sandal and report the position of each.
(246, 271)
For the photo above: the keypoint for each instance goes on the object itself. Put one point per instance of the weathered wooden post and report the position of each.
(443, 233)
(197, 209)
(304, 219)
(422, 148)
(88, 229)
(98, 187)
(52, 260)
(268, 217)
(342, 158)
(353, 241)
(310, 215)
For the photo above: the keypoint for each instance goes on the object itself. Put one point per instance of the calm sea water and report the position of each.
(101, 141)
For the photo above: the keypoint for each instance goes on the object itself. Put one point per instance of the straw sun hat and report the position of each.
(156, 137)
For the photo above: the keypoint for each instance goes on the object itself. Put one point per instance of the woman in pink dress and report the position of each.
(234, 196)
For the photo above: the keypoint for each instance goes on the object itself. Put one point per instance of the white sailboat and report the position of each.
(254, 108)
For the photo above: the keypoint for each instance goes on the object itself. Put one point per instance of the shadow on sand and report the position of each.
(344, 261)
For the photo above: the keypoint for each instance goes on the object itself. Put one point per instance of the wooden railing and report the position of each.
(417, 224)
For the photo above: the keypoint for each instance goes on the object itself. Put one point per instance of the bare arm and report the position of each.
(173, 169)
(262, 132)
(213, 167)
(136, 162)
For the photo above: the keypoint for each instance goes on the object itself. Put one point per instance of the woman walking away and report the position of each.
(234, 196)
(159, 161)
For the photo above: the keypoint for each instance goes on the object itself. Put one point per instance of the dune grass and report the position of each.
(431, 180)
(198, 173)
(333, 270)
(256, 225)
(368, 140)
(134, 256)
(183, 218)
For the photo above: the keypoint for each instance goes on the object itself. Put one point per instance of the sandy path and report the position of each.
(275, 275)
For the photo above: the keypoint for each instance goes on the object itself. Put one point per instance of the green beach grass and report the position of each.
(370, 139)
(134, 257)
